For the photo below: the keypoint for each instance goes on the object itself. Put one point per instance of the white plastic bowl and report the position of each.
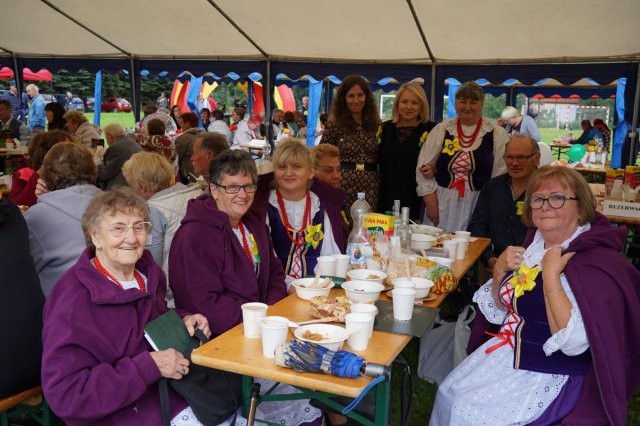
(362, 291)
(422, 285)
(426, 229)
(362, 274)
(305, 293)
(442, 261)
(334, 336)
(422, 241)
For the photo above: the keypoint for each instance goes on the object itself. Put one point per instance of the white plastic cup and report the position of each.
(342, 265)
(326, 265)
(404, 284)
(451, 246)
(10, 145)
(252, 314)
(274, 333)
(367, 309)
(465, 235)
(403, 301)
(461, 248)
(359, 340)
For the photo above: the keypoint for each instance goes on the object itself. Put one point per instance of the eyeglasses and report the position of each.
(234, 189)
(555, 201)
(120, 230)
(517, 157)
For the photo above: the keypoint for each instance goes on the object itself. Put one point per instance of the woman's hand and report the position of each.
(197, 321)
(432, 208)
(428, 171)
(171, 363)
(509, 260)
(554, 261)
(41, 187)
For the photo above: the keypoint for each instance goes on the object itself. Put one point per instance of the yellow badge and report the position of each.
(451, 146)
(344, 216)
(519, 205)
(423, 139)
(314, 235)
(378, 137)
(524, 279)
(254, 246)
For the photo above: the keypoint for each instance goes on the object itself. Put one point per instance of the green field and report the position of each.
(125, 119)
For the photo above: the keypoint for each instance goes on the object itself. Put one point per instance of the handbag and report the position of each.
(213, 395)
(443, 348)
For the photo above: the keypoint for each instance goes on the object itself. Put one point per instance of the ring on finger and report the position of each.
(518, 255)
(182, 371)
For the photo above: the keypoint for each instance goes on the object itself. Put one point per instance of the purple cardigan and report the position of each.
(96, 367)
(209, 271)
(607, 290)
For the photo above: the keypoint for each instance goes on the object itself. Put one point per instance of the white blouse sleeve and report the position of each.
(329, 246)
(429, 153)
(484, 298)
(571, 340)
(500, 139)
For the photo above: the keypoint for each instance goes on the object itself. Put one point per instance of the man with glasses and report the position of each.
(497, 214)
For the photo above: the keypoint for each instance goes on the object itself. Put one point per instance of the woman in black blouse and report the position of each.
(401, 140)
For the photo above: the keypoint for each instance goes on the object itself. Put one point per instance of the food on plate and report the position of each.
(373, 277)
(323, 307)
(314, 337)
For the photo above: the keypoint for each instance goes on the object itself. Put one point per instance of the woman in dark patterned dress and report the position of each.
(353, 128)
(402, 138)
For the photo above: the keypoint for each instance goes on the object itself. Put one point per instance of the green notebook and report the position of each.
(421, 321)
(168, 331)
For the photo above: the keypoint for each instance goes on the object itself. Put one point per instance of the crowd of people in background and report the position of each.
(176, 214)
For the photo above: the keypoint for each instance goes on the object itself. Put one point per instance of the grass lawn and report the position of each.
(125, 119)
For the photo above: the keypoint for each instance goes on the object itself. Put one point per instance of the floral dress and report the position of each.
(485, 389)
(356, 147)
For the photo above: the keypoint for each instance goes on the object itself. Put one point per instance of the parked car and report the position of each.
(115, 105)
(89, 104)
(76, 104)
(48, 98)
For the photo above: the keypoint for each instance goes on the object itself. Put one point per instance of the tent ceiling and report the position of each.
(489, 31)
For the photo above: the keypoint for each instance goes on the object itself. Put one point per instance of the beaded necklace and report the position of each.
(137, 275)
(245, 243)
(306, 219)
(464, 140)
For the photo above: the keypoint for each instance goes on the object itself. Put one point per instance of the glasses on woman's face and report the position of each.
(119, 230)
(234, 189)
(556, 201)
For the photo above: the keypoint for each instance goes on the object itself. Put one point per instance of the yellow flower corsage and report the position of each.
(378, 137)
(344, 217)
(520, 206)
(524, 279)
(254, 248)
(451, 146)
(314, 235)
(423, 138)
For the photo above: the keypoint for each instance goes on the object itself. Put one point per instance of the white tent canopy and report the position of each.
(490, 31)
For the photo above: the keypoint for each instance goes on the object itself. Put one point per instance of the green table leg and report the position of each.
(383, 401)
(247, 382)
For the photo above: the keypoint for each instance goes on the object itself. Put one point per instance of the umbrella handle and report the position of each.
(253, 405)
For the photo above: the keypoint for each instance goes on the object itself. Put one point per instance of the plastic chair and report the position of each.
(546, 157)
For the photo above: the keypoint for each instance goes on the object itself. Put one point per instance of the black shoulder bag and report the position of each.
(213, 395)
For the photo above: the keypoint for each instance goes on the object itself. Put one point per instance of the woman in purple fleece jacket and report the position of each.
(222, 257)
(97, 367)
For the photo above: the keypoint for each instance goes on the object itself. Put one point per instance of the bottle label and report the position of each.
(355, 254)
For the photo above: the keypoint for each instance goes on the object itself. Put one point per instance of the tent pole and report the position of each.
(634, 123)
(17, 74)
(433, 93)
(134, 94)
(267, 95)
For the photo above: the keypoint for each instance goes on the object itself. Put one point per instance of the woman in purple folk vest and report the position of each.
(301, 228)
(466, 151)
(569, 309)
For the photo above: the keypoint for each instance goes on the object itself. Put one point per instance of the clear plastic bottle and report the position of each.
(358, 236)
(404, 230)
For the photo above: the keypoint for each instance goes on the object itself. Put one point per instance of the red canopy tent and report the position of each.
(6, 73)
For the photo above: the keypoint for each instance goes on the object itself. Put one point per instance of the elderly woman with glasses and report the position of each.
(222, 257)
(569, 312)
(458, 158)
(97, 367)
